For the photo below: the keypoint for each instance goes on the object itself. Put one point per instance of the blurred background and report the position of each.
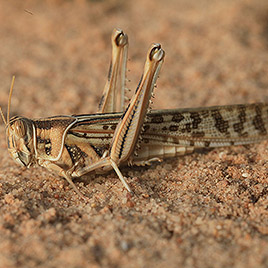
(195, 211)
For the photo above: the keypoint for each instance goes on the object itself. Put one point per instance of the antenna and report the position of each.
(3, 117)
(6, 121)
(9, 99)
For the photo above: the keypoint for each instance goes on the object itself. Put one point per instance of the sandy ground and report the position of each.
(201, 210)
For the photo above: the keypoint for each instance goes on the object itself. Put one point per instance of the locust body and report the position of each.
(78, 144)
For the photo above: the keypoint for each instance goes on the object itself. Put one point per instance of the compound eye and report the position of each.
(20, 128)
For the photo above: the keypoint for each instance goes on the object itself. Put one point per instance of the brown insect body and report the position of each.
(77, 140)
(75, 145)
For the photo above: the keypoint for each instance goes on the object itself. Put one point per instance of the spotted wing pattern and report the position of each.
(208, 127)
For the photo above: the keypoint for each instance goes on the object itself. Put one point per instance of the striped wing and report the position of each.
(194, 127)
(208, 127)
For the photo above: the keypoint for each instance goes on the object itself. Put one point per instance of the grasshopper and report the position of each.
(78, 144)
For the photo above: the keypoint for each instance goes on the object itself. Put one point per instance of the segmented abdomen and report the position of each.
(175, 132)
